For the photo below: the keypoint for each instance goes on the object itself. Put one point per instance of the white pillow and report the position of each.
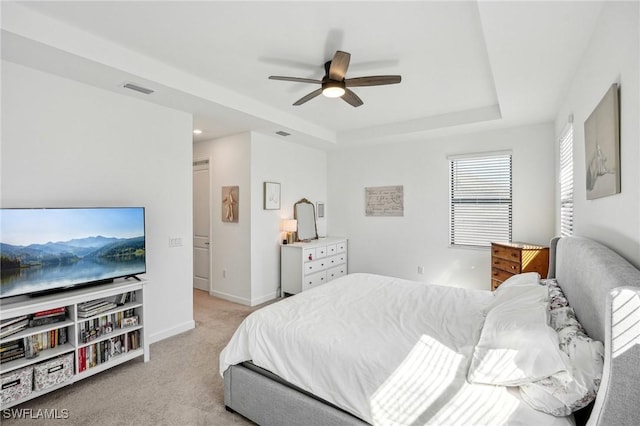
(516, 346)
(519, 279)
(521, 288)
(567, 391)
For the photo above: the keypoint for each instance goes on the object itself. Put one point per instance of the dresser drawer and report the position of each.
(495, 284)
(314, 280)
(336, 272)
(341, 247)
(308, 254)
(336, 260)
(315, 266)
(506, 253)
(332, 249)
(506, 265)
(499, 274)
(321, 252)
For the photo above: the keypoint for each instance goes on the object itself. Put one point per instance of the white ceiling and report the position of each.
(465, 65)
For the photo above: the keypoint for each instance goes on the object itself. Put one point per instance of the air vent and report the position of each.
(282, 133)
(138, 88)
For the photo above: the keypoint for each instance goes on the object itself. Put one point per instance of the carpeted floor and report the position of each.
(180, 385)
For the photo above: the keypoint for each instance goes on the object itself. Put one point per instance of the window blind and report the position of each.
(566, 181)
(481, 203)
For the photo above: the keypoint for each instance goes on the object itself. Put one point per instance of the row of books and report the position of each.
(11, 350)
(49, 339)
(96, 327)
(14, 325)
(94, 355)
(31, 345)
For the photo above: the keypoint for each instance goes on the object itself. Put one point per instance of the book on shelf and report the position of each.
(96, 310)
(9, 321)
(48, 312)
(14, 328)
(129, 321)
(47, 319)
(10, 351)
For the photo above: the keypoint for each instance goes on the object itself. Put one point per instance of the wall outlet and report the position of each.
(421, 270)
(224, 273)
(175, 242)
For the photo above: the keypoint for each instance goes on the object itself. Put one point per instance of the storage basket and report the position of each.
(53, 372)
(16, 384)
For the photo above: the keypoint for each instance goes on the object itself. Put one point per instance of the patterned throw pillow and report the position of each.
(567, 391)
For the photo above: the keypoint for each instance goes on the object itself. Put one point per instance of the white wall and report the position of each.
(249, 251)
(229, 165)
(612, 56)
(302, 173)
(398, 245)
(68, 144)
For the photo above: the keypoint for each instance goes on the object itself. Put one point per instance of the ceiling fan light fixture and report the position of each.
(333, 89)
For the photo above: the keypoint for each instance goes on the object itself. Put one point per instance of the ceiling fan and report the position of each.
(335, 85)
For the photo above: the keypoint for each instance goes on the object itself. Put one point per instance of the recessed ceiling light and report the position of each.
(197, 131)
(282, 133)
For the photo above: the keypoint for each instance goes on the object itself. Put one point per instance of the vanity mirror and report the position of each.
(304, 212)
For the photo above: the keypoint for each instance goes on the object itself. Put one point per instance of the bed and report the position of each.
(340, 367)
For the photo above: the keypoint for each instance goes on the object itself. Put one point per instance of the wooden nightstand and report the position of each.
(508, 259)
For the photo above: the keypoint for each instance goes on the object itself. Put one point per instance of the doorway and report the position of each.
(201, 226)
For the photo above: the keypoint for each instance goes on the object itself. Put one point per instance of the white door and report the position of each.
(201, 215)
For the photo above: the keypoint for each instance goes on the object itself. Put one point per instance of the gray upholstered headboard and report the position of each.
(604, 290)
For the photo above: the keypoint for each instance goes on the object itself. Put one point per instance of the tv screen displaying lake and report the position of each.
(47, 249)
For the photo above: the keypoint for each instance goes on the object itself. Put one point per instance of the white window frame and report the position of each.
(565, 179)
(469, 228)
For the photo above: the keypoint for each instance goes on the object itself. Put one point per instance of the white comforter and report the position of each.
(390, 351)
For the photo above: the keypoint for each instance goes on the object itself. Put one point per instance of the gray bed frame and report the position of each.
(604, 290)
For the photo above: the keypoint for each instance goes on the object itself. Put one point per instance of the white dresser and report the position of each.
(307, 265)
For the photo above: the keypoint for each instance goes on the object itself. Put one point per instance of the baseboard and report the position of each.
(164, 334)
(230, 297)
(264, 299)
(242, 300)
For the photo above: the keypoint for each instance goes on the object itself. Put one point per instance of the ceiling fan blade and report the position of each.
(308, 97)
(374, 80)
(339, 65)
(296, 79)
(351, 98)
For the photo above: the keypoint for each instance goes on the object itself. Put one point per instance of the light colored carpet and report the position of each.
(180, 385)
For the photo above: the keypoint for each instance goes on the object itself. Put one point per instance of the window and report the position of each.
(480, 199)
(566, 181)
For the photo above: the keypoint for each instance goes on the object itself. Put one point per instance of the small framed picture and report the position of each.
(320, 209)
(271, 196)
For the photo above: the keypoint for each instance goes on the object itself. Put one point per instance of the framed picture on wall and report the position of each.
(271, 196)
(602, 146)
(230, 200)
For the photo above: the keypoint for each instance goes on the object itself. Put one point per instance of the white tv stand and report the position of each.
(71, 299)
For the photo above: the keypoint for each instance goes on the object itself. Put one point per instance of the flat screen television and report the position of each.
(54, 249)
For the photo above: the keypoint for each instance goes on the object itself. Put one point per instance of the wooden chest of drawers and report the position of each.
(508, 259)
